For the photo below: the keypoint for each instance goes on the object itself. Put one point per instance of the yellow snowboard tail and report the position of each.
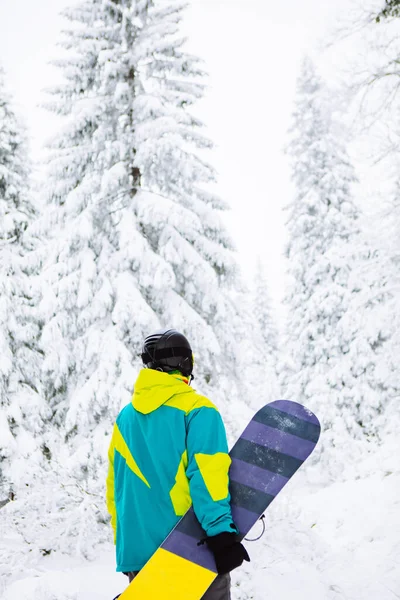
(168, 576)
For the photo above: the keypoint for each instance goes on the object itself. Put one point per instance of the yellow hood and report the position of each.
(154, 388)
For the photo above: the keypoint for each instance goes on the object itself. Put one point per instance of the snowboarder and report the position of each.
(168, 451)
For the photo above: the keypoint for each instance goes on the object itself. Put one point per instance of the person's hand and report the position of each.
(228, 552)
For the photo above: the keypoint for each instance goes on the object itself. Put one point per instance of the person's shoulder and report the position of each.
(190, 401)
(200, 401)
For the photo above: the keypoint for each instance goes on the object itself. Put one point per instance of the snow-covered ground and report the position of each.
(340, 541)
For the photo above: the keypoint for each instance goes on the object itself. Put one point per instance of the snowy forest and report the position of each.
(124, 231)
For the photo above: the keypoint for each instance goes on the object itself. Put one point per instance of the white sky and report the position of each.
(252, 50)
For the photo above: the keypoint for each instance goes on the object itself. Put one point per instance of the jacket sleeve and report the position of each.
(110, 499)
(207, 470)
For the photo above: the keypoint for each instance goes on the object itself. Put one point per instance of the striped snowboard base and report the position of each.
(273, 446)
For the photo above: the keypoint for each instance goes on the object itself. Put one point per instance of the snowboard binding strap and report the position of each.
(262, 519)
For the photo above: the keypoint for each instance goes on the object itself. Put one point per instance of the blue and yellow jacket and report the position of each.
(168, 449)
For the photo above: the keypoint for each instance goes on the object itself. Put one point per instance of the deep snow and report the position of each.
(340, 541)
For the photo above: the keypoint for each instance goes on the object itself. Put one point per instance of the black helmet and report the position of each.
(168, 350)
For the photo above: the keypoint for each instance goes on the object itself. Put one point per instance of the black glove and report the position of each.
(228, 552)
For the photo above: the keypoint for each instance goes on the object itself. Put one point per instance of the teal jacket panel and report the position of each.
(168, 450)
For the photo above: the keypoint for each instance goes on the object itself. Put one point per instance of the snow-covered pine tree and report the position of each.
(390, 310)
(265, 335)
(391, 9)
(333, 350)
(20, 405)
(133, 237)
(376, 312)
(263, 312)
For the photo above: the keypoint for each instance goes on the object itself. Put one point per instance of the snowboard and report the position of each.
(274, 445)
